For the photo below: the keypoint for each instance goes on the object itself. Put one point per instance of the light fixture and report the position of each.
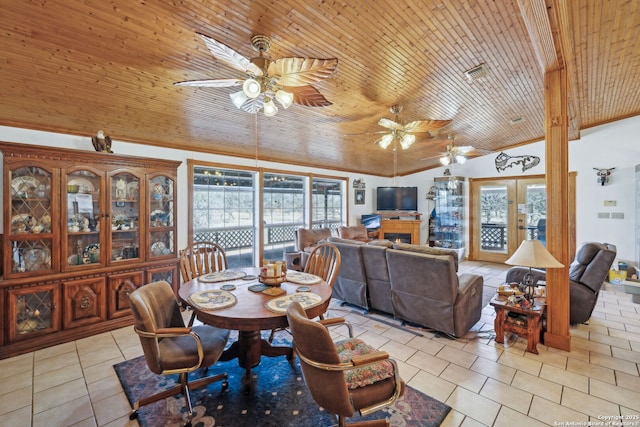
(445, 160)
(532, 254)
(407, 140)
(386, 140)
(238, 98)
(269, 107)
(251, 88)
(460, 159)
(284, 98)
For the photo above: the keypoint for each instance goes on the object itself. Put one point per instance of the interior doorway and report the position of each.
(503, 213)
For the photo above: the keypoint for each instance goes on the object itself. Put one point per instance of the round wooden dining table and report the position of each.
(249, 316)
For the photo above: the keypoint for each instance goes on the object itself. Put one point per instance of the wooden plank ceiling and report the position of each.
(79, 66)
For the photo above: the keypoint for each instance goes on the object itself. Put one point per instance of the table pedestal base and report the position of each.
(249, 348)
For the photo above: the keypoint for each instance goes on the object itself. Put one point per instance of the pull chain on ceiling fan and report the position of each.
(286, 80)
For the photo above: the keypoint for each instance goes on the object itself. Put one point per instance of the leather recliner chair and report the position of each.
(587, 273)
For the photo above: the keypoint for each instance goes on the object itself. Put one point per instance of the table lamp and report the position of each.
(532, 254)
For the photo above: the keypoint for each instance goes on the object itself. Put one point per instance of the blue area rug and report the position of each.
(279, 398)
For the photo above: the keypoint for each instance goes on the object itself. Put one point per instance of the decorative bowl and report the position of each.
(73, 188)
(272, 280)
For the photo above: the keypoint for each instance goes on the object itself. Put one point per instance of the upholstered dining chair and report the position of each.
(171, 348)
(199, 259)
(345, 378)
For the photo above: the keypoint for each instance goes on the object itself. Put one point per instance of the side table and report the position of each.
(529, 328)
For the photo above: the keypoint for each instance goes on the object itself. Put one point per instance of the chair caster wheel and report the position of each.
(133, 415)
(187, 424)
(225, 385)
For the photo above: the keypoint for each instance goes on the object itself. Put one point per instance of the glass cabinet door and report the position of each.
(31, 235)
(33, 311)
(162, 225)
(125, 205)
(82, 214)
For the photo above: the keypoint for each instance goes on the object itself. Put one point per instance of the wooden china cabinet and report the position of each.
(81, 231)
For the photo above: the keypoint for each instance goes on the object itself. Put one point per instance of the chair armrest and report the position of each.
(337, 321)
(515, 274)
(363, 359)
(173, 331)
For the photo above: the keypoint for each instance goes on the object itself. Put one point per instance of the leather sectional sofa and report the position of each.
(417, 284)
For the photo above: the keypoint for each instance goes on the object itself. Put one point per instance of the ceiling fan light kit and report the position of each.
(287, 80)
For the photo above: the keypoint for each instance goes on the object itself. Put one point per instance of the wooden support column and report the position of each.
(557, 181)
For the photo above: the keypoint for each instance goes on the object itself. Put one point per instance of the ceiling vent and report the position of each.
(516, 120)
(476, 73)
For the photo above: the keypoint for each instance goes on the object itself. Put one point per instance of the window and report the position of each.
(225, 207)
(223, 212)
(327, 203)
(283, 212)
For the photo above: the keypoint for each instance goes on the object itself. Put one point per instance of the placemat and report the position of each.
(222, 276)
(302, 278)
(213, 299)
(306, 299)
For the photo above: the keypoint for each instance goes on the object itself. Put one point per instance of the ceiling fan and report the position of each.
(286, 79)
(455, 153)
(405, 133)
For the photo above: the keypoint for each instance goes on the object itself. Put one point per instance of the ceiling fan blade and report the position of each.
(389, 124)
(366, 133)
(308, 96)
(210, 83)
(229, 56)
(425, 125)
(302, 71)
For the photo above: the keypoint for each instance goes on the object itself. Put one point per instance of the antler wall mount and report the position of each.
(286, 80)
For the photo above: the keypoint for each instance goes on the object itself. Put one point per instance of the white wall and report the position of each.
(612, 145)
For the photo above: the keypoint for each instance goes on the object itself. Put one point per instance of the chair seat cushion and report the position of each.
(360, 377)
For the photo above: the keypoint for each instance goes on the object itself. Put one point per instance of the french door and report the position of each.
(504, 212)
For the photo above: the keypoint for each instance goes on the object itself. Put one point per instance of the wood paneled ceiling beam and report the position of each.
(550, 28)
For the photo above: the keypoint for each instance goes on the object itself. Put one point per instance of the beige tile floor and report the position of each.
(485, 383)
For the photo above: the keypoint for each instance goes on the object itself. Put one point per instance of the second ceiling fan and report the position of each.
(405, 133)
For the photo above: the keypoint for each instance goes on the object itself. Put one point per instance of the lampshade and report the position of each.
(269, 107)
(238, 98)
(460, 159)
(532, 253)
(284, 98)
(251, 88)
(386, 140)
(445, 160)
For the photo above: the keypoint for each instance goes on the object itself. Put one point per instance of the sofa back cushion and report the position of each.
(307, 239)
(354, 232)
(430, 276)
(592, 263)
(429, 251)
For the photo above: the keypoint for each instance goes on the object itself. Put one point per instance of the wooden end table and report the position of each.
(531, 328)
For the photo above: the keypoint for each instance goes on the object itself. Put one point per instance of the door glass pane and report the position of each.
(536, 200)
(283, 213)
(494, 218)
(82, 219)
(125, 215)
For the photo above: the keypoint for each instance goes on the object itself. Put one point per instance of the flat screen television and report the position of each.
(372, 221)
(397, 199)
